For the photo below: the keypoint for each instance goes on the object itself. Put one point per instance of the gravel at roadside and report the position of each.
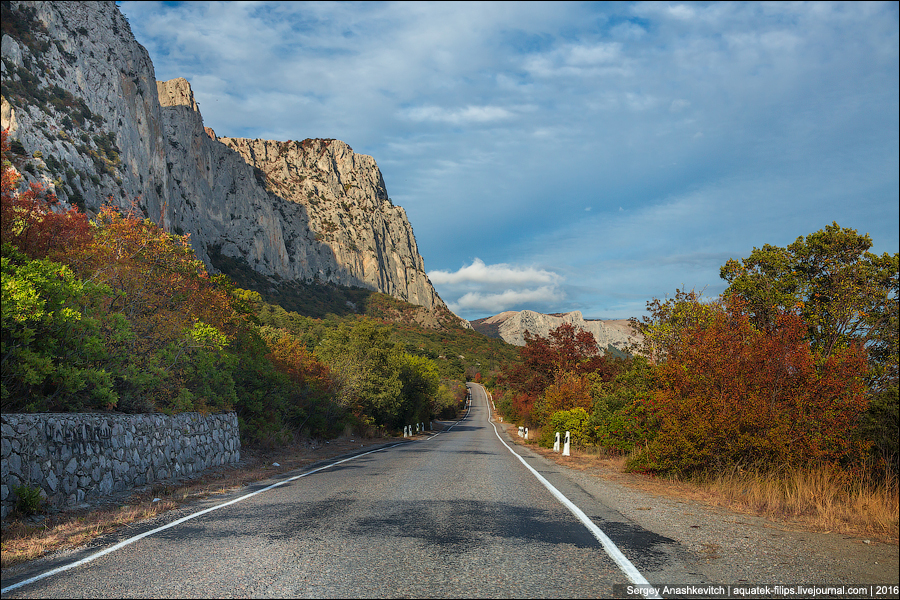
(733, 548)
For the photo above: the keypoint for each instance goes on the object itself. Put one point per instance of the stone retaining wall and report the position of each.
(85, 456)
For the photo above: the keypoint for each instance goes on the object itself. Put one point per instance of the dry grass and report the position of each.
(25, 540)
(821, 499)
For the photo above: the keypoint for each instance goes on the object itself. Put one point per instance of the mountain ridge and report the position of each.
(92, 123)
(510, 326)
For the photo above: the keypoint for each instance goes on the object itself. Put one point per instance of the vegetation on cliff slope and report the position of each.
(113, 313)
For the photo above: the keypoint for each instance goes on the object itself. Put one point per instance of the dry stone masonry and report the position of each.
(75, 458)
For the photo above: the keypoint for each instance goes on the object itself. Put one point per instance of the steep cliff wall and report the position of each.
(79, 95)
(359, 236)
(90, 120)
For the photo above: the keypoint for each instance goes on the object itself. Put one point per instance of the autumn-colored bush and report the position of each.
(521, 407)
(309, 397)
(554, 375)
(32, 219)
(730, 394)
(569, 391)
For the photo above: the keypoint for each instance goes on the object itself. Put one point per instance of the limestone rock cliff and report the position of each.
(89, 119)
(511, 326)
(358, 236)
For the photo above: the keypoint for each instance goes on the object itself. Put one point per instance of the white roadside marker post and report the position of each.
(526, 433)
(566, 446)
(556, 443)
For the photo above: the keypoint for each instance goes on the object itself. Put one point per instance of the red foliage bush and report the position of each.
(32, 219)
(734, 395)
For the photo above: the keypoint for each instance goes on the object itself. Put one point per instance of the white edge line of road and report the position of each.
(131, 540)
(608, 545)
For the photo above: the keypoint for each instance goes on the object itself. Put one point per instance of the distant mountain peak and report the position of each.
(511, 326)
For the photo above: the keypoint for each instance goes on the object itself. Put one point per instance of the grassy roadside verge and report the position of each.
(817, 500)
(25, 539)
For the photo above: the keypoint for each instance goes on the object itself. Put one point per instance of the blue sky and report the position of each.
(570, 156)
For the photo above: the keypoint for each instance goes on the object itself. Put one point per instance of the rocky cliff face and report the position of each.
(511, 327)
(353, 234)
(89, 119)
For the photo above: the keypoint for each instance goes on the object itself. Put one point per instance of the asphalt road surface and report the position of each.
(453, 515)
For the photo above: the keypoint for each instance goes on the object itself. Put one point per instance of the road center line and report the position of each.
(611, 549)
(131, 540)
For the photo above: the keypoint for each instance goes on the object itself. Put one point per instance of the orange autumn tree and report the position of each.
(181, 320)
(730, 394)
(309, 402)
(553, 374)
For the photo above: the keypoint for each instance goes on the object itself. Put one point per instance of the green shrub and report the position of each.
(576, 421)
(624, 429)
(28, 499)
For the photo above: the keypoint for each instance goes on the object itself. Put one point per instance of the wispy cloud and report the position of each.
(469, 114)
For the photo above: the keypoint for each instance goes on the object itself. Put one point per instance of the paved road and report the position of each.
(455, 515)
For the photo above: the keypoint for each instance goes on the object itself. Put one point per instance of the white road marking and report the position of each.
(131, 540)
(611, 549)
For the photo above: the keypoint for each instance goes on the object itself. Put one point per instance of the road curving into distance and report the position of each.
(461, 513)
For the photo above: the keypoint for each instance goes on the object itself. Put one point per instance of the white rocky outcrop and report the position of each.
(81, 98)
(512, 325)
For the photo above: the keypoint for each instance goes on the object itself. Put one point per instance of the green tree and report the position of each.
(54, 356)
(843, 292)
(420, 387)
(619, 418)
(661, 330)
(364, 363)
(576, 421)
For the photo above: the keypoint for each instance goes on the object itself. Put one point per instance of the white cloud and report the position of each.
(579, 60)
(496, 275)
(496, 303)
(682, 12)
(479, 288)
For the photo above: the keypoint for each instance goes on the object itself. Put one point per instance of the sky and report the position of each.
(570, 156)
